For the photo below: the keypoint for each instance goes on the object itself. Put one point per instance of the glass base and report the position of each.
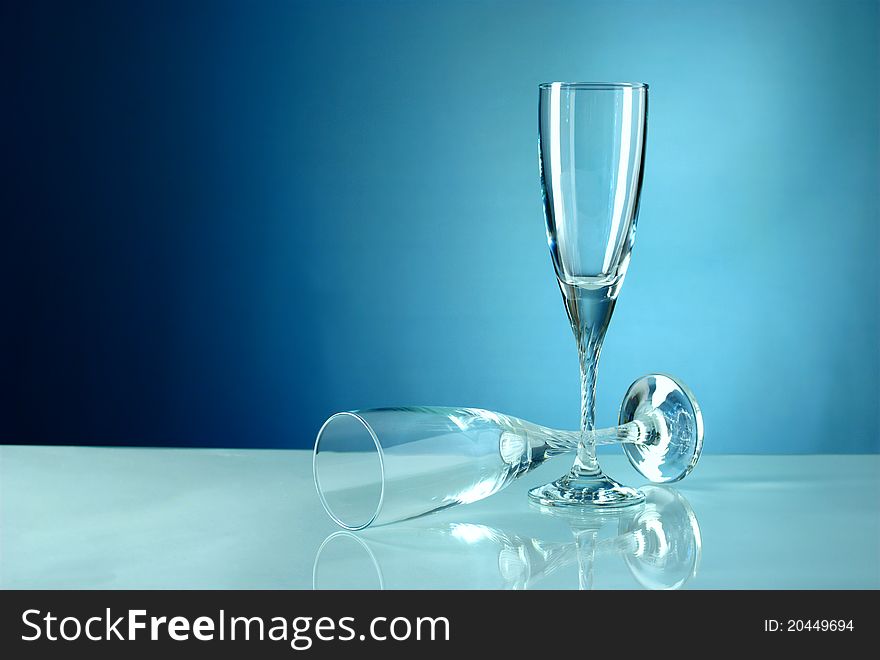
(595, 490)
(670, 410)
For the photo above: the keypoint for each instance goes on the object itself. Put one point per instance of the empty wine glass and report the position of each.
(388, 464)
(591, 155)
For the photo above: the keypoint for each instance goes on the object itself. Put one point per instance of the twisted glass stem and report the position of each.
(589, 347)
(545, 443)
(589, 311)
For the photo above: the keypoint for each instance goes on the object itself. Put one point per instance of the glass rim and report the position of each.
(595, 86)
(379, 452)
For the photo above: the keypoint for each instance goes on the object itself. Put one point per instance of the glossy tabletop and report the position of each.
(77, 517)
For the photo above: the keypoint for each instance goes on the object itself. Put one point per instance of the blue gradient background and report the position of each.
(225, 221)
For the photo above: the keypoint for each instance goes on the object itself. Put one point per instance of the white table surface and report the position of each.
(79, 517)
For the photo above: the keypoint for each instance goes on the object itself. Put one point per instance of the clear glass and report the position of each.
(660, 543)
(378, 466)
(591, 157)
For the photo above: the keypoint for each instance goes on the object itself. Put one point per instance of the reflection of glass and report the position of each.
(383, 465)
(659, 542)
(592, 148)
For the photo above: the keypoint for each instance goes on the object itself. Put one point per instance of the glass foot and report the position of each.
(596, 490)
(670, 411)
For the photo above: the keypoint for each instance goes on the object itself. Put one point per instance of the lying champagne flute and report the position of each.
(383, 465)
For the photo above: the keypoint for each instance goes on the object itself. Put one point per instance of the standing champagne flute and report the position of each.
(592, 148)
